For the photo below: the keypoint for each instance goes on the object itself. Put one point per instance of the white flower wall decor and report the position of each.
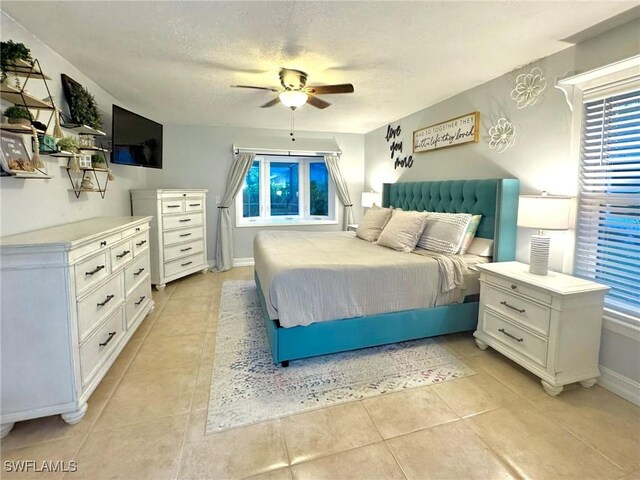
(502, 135)
(529, 87)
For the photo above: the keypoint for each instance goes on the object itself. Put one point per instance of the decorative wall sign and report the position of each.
(529, 87)
(456, 131)
(13, 155)
(396, 147)
(502, 135)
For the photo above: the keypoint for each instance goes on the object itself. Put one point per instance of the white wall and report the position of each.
(31, 204)
(201, 156)
(540, 159)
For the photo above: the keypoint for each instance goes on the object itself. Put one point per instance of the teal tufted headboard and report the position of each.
(495, 199)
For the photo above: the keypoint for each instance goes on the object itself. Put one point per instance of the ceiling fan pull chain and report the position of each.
(293, 139)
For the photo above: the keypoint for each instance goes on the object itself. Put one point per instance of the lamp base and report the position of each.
(539, 254)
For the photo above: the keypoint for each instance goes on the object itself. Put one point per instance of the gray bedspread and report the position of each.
(313, 277)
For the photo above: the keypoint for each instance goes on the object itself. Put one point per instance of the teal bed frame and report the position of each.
(495, 199)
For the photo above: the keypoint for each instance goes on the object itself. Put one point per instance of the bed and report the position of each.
(303, 320)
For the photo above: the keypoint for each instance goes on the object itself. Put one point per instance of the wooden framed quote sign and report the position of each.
(450, 133)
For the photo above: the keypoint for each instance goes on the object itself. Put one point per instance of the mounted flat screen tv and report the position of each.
(136, 139)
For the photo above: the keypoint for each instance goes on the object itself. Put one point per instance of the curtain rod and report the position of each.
(288, 153)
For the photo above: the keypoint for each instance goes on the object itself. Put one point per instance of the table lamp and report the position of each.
(542, 212)
(370, 198)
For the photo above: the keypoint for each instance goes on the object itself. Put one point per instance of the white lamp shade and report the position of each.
(293, 98)
(544, 212)
(369, 198)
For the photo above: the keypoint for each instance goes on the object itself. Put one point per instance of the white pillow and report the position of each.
(444, 232)
(481, 246)
(403, 230)
(371, 225)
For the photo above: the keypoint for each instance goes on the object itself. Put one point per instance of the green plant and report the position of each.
(10, 53)
(84, 108)
(17, 112)
(68, 144)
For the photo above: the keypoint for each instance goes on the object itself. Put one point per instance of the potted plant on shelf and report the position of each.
(10, 53)
(68, 144)
(18, 115)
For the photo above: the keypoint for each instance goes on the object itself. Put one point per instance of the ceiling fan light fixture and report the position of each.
(293, 98)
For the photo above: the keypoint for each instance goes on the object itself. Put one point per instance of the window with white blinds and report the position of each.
(608, 230)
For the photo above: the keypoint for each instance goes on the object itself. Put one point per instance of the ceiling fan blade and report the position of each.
(328, 89)
(255, 88)
(316, 102)
(271, 103)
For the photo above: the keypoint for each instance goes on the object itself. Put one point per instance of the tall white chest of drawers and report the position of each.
(71, 298)
(549, 324)
(178, 233)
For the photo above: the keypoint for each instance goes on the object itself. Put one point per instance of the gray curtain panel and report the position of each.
(224, 234)
(333, 165)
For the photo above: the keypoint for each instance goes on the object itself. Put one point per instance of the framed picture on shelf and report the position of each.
(14, 157)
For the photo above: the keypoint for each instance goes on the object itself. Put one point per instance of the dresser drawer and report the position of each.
(519, 288)
(134, 230)
(193, 204)
(514, 337)
(179, 221)
(172, 206)
(100, 345)
(140, 243)
(184, 264)
(137, 301)
(121, 254)
(91, 271)
(135, 272)
(518, 309)
(95, 246)
(183, 249)
(183, 235)
(98, 304)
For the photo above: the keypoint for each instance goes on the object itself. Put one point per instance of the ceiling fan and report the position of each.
(295, 93)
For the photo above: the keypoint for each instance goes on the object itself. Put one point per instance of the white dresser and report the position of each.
(72, 296)
(549, 324)
(178, 231)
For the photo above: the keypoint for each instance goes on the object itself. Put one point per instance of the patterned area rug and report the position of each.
(247, 387)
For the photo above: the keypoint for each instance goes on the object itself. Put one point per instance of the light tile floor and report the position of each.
(147, 419)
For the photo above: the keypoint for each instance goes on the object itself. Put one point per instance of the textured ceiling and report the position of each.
(176, 60)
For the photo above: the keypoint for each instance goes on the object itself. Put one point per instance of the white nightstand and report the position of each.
(549, 324)
(352, 227)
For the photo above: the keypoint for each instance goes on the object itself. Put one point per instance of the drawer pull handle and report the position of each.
(501, 330)
(514, 287)
(194, 204)
(124, 254)
(111, 335)
(139, 244)
(185, 235)
(135, 274)
(141, 300)
(106, 300)
(185, 264)
(173, 206)
(97, 269)
(184, 220)
(519, 310)
(186, 249)
(137, 229)
(103, 243)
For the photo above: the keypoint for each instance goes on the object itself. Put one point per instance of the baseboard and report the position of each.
(243, 262)
(620, 385)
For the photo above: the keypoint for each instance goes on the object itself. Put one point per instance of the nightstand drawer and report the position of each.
(518, 309)
(519, 288)
(514, 337)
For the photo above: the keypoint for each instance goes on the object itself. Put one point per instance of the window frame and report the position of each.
(580, 89)
(304, 217)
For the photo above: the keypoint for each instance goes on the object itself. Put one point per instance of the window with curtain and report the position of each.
(281, 190)
(608, 228)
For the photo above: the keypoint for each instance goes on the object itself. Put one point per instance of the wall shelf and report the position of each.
(83, 129)
(24, 69)
(20, 97)
(18, 128)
